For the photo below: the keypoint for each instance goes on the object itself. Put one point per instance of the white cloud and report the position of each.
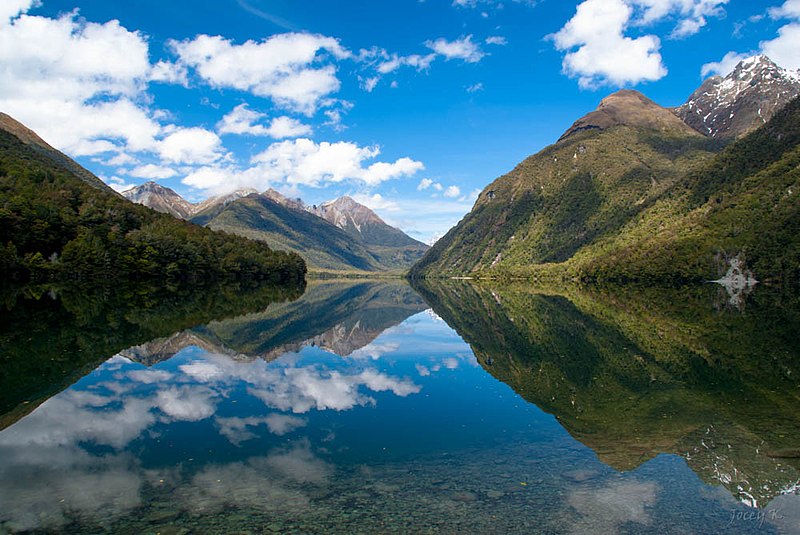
(464, 49)
(452, 192)
(376, 202)
(153, 172)
(284, 67)
(121, 159)
(424, 184)
(394, 62)
(242, 120)
(690, 14)
(783, 49)
(191, 145)
(475, 88)
(117, 184)
(723, 66)
(302, 161)
(169, 73)
(369, 84)
(78, 91)
(789, 10)
(11, 8)
(496, 40)
(599, 52)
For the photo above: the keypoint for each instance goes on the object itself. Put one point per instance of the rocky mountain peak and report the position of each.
(731, 106)
(161, 199)
(627, 108)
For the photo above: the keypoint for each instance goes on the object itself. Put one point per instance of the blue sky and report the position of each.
(412, 107)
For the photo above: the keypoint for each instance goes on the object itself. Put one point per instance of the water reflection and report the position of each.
(356, 408)
(635, 373)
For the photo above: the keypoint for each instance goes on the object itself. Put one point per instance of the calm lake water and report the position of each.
(371, 407)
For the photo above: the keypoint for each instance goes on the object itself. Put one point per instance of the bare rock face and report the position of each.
(737, 104)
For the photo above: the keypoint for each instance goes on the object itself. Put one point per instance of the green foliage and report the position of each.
(627, 204)
(55, 226)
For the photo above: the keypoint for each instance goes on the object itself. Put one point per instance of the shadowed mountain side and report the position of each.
(46, 344)
(633, 374)
(338, 316)
(320, 243)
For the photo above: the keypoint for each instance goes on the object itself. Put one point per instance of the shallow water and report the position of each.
(358, 409)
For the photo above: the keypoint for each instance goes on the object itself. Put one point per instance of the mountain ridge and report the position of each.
(630, 192)
(376, 245)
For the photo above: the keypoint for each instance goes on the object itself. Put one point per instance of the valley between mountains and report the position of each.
(632, 191)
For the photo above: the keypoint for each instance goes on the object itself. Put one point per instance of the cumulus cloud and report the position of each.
(191, 146)
(452, 192)
(464, 49)
(723, 66)
(691, 15)
(152, 172)
(304, 162)
(424, 184)
(288, 68)
(598, 51)
(11, 8)
(782, 49)
(376, 201)
(242, 120)
(54, 89)
(789, 10)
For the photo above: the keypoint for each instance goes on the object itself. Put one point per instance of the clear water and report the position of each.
(380, 419)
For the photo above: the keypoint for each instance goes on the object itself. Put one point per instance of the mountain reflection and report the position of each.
(633, 373)
(115, 441)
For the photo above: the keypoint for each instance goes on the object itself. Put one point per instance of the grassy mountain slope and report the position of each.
(609, 167)
(644, 204)
(57, 224)
(320, 243)
(743, 203)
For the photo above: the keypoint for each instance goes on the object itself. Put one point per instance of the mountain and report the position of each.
(168, 201)
(259, 217)
(392, 247)
(742, 101)
(160, 199)
(365, 243)
(629, 193)
(60, 222)
(607, 168)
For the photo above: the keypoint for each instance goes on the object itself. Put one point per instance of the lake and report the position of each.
(375, 407)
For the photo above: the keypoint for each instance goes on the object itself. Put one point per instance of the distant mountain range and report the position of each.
(59, 222)
(335, 235)
(635, 191)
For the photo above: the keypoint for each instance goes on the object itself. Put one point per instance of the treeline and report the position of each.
(53, 227)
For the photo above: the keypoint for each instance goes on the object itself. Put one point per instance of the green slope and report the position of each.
(57, 224)
(637, 202)
(607, 169)
(320, 243)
